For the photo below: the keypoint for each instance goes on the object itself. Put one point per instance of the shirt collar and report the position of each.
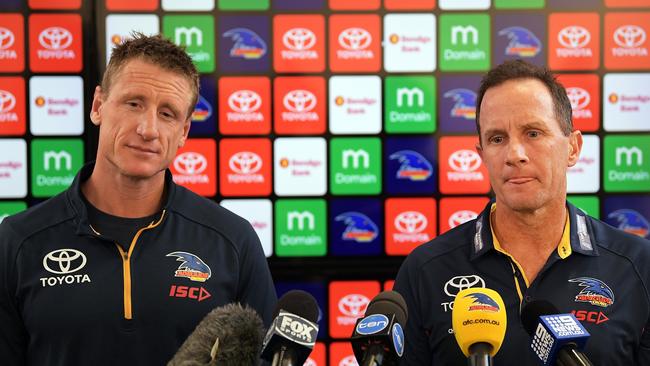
(577, 236)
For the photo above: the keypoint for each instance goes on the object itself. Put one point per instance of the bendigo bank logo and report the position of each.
(464, 103)
(191, 267)
(247, 44)
(63, 263)
(630, 221)
(410, 226)
(413, 166)
(360, 228)
(523, 43)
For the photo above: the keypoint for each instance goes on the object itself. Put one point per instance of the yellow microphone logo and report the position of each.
(479, 316)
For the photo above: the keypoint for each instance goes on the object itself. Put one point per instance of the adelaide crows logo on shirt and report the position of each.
(595, 292)
(192, 267)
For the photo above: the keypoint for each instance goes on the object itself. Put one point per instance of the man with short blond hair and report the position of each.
(120, 268)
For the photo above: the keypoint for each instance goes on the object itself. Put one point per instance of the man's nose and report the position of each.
(148, 124)
(516, 153)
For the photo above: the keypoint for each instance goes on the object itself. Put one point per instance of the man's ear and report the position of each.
(479, 149)
(575, 146)
(95, 110)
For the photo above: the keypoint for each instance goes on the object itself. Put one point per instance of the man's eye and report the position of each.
(533, 133)
(496, 140)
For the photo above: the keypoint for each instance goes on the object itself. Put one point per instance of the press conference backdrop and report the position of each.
(342, 129)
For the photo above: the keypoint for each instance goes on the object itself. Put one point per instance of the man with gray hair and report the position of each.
(529, 243)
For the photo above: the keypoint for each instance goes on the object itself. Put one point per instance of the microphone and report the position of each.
(292, 335)
(230, 335)
(479, 322)
(378, 338)
(556, 339)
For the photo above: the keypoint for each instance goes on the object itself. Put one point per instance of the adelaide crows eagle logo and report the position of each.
(359, 227)
(192, 267)
(413, 166)
(482, 302)
(595, 292)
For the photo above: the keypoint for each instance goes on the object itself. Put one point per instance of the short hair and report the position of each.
(157, 50)
(519, 69)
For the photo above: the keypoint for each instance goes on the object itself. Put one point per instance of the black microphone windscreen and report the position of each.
(532, 311)
(389, 302)
(300, 303)
(240, 332)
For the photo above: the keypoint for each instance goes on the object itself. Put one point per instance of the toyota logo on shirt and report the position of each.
(64, 261)
(574, 36)
(355, 39)
(629, 36)
(299, 39)
(7, 38)
(55, 38)
(458, 283)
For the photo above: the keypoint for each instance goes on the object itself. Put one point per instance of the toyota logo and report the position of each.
(55, 38)
(64, 261)
(299, 101)
(190, 163)
(245, 162)
(355, 39)
(6, 38)
(310, 362)
(461, 217)
(629, 36)
(410, 222)
(244, 101)
(464, 161)
(7, 101)
(353, 305)
(299, 39)
(578, 97)
(574, 36)
(458, 283)
(349, 361)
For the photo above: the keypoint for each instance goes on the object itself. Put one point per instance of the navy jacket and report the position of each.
(71, 296)
(601, 274)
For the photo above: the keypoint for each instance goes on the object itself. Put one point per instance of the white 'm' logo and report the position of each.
(410, 94)
(299, 218)
(629, 154)
(58, 157)
(464, 33)
(354, 156)
(185, 36)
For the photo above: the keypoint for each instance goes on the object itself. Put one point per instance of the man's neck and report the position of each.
(119, 195)
(530, 237)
